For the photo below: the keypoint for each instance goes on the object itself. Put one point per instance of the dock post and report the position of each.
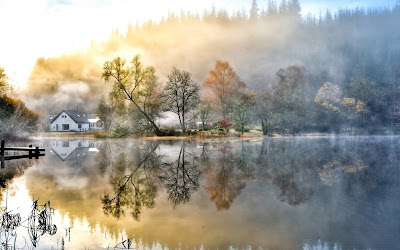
(2, 153)
(37, 153)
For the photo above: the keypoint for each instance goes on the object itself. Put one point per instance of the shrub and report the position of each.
(121, 132)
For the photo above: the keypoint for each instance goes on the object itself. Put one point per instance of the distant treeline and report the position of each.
(353, 55)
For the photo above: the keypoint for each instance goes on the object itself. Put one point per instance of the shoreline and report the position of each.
(248, 136)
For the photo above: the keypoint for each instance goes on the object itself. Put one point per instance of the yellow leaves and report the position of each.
(360, 107)
(352, 106)
(332, 172)
(328, 96)
(348, 102)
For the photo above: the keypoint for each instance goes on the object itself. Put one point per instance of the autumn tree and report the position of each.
(15, 118)
(328, 97)
(3, 81)
(225, 123)
(131, 81)
(225, 85)
(181, 94)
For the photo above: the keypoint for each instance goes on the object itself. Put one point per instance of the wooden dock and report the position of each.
(32, 153)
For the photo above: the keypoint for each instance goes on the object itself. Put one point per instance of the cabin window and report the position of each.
(65, 126)
(79, 126)
(65, 144)
(64, 116)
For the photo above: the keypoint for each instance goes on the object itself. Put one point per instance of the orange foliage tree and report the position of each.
(225, 86)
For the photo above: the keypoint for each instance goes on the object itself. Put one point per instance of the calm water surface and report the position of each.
(272, 193)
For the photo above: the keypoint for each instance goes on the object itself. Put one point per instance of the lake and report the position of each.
(272, 193)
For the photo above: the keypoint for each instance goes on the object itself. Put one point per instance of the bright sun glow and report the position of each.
(44, 28)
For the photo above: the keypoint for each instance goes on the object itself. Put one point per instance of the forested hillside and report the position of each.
(356, 51)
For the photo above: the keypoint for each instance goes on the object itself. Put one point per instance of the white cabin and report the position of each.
(72, 120)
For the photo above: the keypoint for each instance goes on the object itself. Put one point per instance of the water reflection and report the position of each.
(131, 181)
(226, 174)
(72, 150)
(40, 222)
(181, 177)
(126, 244)
(9, 223)
(278, 193)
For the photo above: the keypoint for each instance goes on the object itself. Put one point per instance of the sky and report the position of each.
(44, 28)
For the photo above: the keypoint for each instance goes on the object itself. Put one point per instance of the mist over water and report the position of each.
(280, 193)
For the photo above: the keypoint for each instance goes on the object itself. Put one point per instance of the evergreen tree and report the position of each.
(328, 16)
(254, 11)
(272, 8)
(294, 9)
(130, 32)
(283, 8)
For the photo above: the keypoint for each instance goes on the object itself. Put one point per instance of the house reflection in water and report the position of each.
(74, 149)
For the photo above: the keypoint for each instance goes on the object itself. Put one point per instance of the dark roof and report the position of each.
(77, 153)
(76, 116)
(49, 118)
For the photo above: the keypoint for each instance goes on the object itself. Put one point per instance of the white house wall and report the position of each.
(85, 126)
(73, 126)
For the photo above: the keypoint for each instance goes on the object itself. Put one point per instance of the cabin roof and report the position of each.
(75, 115)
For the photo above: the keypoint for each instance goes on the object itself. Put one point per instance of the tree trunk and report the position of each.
(155, 127)
(264, 126)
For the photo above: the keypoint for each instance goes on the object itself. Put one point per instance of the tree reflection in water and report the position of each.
(296, 168)
(136, 189)
(9, 223)
(226, 175)
(181, 177)
(40, 221)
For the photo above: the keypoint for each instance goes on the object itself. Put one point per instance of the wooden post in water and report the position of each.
(30, 152)
(37, 153)
(2, 154)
